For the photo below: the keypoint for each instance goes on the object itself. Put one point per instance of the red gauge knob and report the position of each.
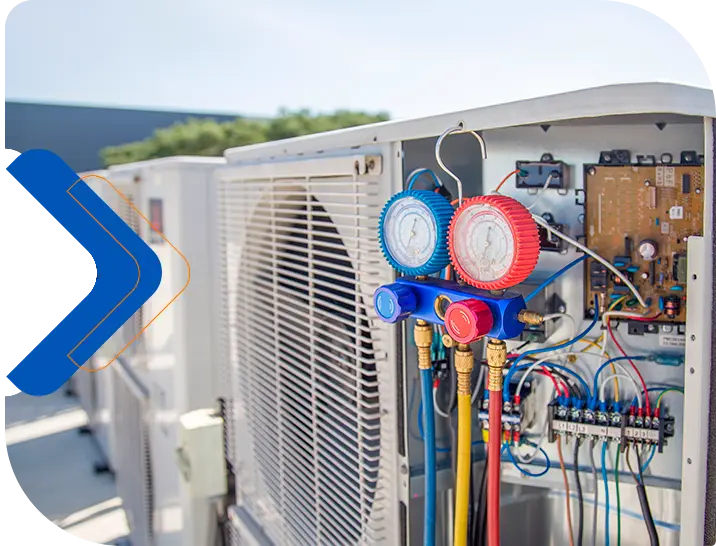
(493, 242)
(468, 320)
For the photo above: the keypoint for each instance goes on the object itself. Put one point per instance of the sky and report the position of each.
(410, 58)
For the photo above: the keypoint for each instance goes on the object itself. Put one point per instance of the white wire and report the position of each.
(526, 459)
(440, 412)
(480, 385)
(566, 317)
(536, 364)
(541, 192)
(603, 386)
(541, 221)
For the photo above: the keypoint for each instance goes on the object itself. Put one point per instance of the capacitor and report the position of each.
(648, 250)
(672, 306)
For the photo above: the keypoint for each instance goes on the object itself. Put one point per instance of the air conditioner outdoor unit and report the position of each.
(171, 357)
(321, 419)
(92, 388)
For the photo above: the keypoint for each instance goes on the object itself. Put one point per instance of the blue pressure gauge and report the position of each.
(413, 231)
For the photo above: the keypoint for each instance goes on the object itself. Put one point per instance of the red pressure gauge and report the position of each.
(493, 242)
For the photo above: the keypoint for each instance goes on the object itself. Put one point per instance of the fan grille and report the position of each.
(301, 262)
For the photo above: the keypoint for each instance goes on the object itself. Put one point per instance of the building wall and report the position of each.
(78, 133)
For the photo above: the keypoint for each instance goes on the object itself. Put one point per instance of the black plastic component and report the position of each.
(666, 158)
(615, 157)
(549, 242)
(442, 190)
(685, 183)
(536, 173)
(646, 159)
(640, 328)
(597, 276)
(690, 157)
(628, 246)
(652, 273)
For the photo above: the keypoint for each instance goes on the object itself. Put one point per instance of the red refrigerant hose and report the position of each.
(494, 445)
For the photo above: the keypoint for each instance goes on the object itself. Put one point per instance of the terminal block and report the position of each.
(517, 415)
(610, 424)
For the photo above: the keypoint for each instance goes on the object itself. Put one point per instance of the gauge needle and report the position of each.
(412, 230)
(487, 236)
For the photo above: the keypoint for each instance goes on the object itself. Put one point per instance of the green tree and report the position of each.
(209, 138)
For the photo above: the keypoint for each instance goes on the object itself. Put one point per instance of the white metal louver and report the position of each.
(314, 436)
(133, 458)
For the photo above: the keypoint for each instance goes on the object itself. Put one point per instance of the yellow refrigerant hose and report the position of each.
(463, 367)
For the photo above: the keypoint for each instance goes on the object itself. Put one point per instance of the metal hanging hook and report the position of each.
(459, 128)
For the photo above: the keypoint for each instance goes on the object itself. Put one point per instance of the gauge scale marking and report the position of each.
(485, 245)
(494, 242)
(410, 232)
(413, 232)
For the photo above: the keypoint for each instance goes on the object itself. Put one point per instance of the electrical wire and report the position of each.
(426, 385)
(567, 318)
(606, 494)
(661, 396)
(413, 176)
(614, 361)
(548, 463)
(619, 498)
(589, 328)
(541, 191)
(595, 479)
(643, 499)
(554, 277)
(631, 361)
(566, 489)
(502, 183)
(515, 369)
(541, 221)
(605, 382)
(580, 498)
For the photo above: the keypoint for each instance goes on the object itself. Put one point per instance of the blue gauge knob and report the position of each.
(413, 232)
(394, 302)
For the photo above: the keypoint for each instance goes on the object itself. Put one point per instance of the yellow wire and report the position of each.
(462, 477)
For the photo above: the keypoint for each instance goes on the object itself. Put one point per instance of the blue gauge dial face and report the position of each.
(410, 232)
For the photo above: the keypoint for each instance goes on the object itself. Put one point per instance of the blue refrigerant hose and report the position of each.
(426, 389)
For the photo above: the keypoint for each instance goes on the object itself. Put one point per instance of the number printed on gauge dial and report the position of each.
(410, 232)
(484, 243)
(494, 242)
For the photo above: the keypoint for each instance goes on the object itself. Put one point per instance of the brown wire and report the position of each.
(566, 489)
(497, 189)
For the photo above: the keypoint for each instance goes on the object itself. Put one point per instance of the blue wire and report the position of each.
(426, 389)
(548, 463)
(648, 461)
(510, 373)
(606, 493)
(551, 279)
(595, 394)
(654, 389)
(419, 172)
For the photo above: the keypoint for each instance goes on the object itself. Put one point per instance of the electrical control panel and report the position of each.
(639, 218)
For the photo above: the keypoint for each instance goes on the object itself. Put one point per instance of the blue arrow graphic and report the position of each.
(128, 272)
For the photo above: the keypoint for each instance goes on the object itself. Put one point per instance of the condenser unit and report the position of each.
(322, 421)
(92, 388)
(167, 365)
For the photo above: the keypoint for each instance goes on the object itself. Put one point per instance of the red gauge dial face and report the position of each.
(494, 242)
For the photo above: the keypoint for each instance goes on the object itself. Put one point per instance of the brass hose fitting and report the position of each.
(464, 362)
(423, 334)
(496, 360)
(530, 317)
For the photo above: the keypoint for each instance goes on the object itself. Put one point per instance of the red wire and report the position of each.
(638, 373)
(494, 447)
(557, 385)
